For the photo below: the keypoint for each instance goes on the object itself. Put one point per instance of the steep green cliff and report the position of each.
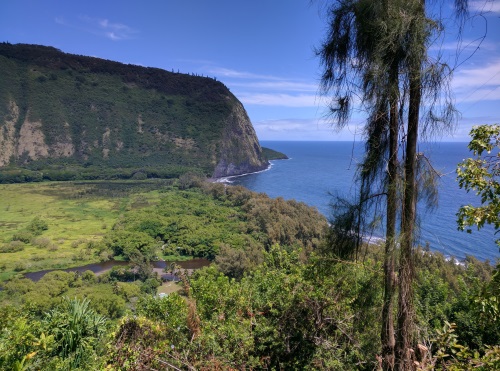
(64, 111)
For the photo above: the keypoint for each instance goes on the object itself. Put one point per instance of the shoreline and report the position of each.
(227, 179)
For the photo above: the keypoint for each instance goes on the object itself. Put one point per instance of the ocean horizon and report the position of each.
(316, 171)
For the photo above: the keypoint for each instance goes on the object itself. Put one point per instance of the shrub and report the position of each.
(37, 226)
(79, 256)
(234, 262)
(13, 246)
(41, 242)
(96, 245)
(23, 236)
(190, 180)
(36, 258)
(139, 175)
(88, 275)
(20, 266)
(77, 243)
(105, 255)
(53, 247)
(19, 286)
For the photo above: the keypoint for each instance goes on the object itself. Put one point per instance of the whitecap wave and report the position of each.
(228, 179)
(454, 260)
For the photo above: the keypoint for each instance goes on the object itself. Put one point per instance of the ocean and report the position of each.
(318, 170)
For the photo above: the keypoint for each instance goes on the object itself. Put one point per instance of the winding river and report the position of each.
(102, 267)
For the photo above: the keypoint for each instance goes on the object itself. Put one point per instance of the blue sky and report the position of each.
(263, 50)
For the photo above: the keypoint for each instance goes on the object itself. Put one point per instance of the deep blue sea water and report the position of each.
(316, 170)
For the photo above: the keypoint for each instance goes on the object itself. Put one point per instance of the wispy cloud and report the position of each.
(483, 6)
(482, 82)
(483, 95)
(285, 125)
(100, 26)
(279, 85)
(465, 45)
(115, 31)
(226, 72)
(268, 90)
(280, 99)
(303, 129)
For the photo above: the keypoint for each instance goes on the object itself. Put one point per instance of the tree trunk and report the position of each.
(404, 353)
(387, 336)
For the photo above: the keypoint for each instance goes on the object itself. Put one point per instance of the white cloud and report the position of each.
(226, 72)
(114, 31)
(61, 21)
(280, 99)
(302, 129)
(268, 90)
(483, 94)
(262, 82)
(101, 27)
(465, 45)
(278, 85)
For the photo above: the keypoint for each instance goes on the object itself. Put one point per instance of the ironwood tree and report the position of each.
(378, 53)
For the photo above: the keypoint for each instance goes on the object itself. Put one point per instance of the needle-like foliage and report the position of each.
(375, 58)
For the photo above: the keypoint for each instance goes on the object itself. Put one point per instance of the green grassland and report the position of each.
(63, 224)
(76, 214)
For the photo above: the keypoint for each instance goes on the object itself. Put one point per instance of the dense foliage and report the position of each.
(130, 221)
(271, 154)
(201, 221)
(291, 311)
(277, 296)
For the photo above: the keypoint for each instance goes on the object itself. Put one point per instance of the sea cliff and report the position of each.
(63, 110)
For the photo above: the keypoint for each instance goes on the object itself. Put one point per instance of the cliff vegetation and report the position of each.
(66, 117)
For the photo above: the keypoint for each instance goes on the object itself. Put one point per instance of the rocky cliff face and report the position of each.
(239, 151)
(62, 108)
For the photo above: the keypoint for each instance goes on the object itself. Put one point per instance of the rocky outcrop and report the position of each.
(8, 137)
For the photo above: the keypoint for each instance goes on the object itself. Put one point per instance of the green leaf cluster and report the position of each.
(481, 175)
(69, 337)
(285, 314)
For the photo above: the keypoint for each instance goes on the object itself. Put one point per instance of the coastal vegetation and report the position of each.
(275, 296)
(480, 175)
(271, 154)
(84, 222)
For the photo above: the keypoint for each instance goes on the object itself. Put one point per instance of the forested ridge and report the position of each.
(67, 117)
